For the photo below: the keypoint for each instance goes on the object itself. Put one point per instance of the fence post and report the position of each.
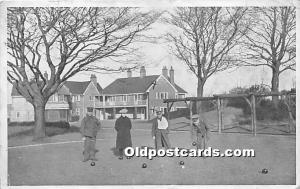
(219, 115)
(191, 121)
(254, 113)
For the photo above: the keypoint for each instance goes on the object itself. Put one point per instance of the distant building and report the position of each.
(140, 95)
(67, 104)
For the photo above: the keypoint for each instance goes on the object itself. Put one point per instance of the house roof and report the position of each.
(130, 85)
(78, 87)
(133, 85)
(75, 87)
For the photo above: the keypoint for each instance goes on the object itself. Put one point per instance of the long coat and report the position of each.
(123, 126)
(161, 136)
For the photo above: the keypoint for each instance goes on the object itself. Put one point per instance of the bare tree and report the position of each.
(271, 41)
(204, 39)
(65, 41)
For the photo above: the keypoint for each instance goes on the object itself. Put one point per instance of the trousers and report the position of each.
(162, 139)
(89, 148)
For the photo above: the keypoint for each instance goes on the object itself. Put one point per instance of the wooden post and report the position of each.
(219, 115)
(191, 121)
(168, 112)
(254, 114)
(222, 112)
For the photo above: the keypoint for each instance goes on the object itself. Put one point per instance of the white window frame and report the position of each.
(91, 98)
(63, 98)
(77, 111)
(157, 95)
(77, 98)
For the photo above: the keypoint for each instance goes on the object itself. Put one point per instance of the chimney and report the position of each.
(129, 73)
(94, 79)
(143, 71)
(172, 75)
(165, 72)
(46, 76)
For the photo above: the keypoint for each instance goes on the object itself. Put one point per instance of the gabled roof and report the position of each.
(77, 87)
(179, 89)
(130, 85)
(134, 85)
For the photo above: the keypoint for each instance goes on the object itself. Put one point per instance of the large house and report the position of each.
(67, 104)
(140, 95)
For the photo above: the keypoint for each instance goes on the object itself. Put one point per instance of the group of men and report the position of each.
(90, 125)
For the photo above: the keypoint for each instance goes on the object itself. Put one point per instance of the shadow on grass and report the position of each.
(50, 131)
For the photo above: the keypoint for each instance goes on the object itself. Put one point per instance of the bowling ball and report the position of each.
(194, 143)
(120, 157)
(93, 164)
(181, 163)
(144, 165)
(264, 171)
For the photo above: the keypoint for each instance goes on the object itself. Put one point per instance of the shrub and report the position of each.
(60, 124)
(75, 118)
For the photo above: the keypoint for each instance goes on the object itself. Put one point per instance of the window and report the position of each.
(156, 95)
(77, 97)
(91, 98)
(163, 95)
(180, 95)
(124, 98)
(77, 111)
(18, 114)
(61, 98)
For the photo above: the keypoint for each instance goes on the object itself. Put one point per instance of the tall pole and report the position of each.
(219, 115)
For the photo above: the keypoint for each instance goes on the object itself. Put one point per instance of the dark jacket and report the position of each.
(155, 127)
(90, 125)
(123, 126)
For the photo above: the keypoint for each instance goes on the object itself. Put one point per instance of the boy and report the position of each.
(90, 125)
(202, 131)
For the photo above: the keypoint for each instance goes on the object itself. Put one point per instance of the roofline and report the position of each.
(88, 87)
(120, 94)
(166, 80)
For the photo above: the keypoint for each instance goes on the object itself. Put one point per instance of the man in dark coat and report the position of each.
(123, 126)
(90, 125)
(160, 131)
(202, 130)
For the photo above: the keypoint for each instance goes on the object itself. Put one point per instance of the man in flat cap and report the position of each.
(160, 131)
(90, 125)
(123, 126)
(201, 129)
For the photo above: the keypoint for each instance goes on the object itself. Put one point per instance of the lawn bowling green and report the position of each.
(60, 163)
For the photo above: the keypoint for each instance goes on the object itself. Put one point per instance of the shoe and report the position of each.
(85, 160)
(94, 159)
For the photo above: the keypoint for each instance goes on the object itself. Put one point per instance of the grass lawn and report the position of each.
(60, 163)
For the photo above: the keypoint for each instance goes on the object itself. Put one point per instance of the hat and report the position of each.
(123, 111)
(156, 109)
(89, 109)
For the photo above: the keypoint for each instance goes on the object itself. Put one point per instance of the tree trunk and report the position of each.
(199, 93)
(275, 85)
(39, 118)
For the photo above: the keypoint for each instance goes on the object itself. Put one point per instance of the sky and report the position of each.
(158, 55)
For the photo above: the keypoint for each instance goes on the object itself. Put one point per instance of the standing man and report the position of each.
(160, 131)
(90, 125)
(202, 130)
(123, 126)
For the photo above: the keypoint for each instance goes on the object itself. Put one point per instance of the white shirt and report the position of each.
(162, 124)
